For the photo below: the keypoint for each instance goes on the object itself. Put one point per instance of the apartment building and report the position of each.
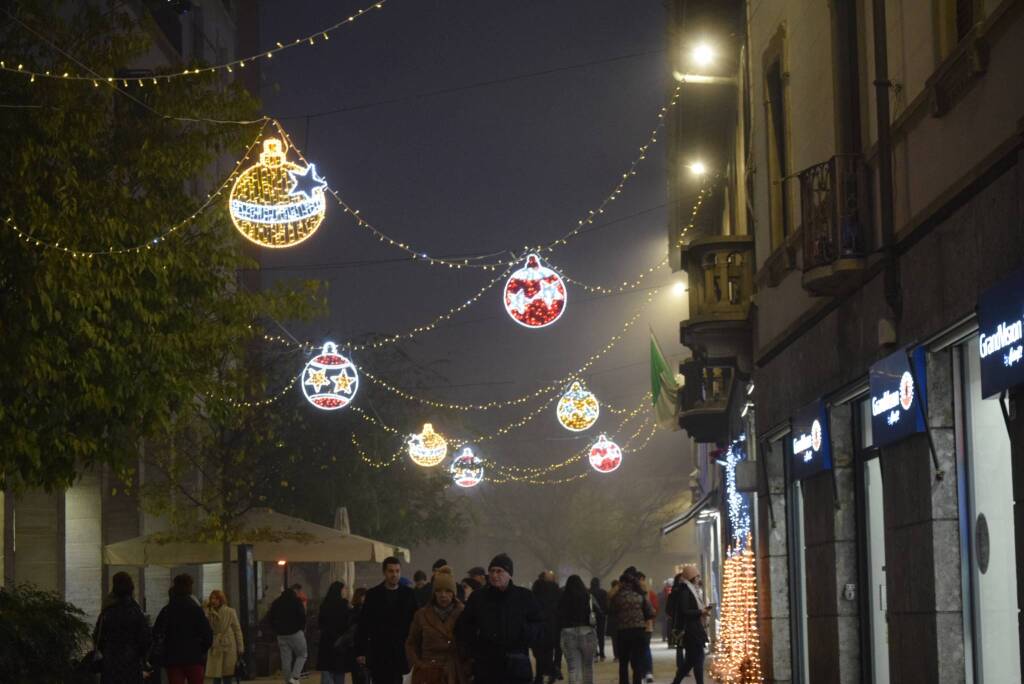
(856, 281)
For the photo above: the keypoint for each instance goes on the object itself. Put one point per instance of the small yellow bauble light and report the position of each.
(277, 203)
(578, 408)
(427, 448)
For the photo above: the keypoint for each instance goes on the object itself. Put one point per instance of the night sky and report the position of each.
(485, 169)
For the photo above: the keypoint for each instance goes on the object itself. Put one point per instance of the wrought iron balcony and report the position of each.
(836, 219)
(720, 271)
(704, 398)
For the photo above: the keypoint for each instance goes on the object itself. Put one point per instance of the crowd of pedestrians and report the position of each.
(433, 630)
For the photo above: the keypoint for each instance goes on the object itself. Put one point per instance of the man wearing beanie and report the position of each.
(499, 625)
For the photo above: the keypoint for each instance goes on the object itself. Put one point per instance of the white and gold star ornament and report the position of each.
(277, 203)
(329, 380)
(428, 448)
(578, 408)
(467, 469)
(605, 455)
(535, 295)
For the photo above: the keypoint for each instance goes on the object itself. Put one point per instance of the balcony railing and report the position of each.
(704, 399)
(720, 271)
(835, 211)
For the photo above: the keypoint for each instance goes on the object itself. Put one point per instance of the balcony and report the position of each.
(836, 222)
(704, 398)
(720, 271)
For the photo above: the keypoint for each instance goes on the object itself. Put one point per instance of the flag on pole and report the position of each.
(664, 389)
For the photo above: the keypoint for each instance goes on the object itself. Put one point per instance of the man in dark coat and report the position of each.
(183, 634)
(690, 612)
(546, 651)
(499, 625)
(600, 597)
(384, 626)
(288, 620)
(122, 635)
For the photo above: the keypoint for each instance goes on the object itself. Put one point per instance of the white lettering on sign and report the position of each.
(888, 401)
(1006, 334)
(1014, 356)
(806, 444)
(893, 418)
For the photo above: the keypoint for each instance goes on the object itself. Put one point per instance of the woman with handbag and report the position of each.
(122, 636)
(431, 648)
(577, 622)
(333, 621)
(222, 658)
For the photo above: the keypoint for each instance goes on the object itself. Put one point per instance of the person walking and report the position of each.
(499, 625)
(631, 610)
(425, 591)
(547, 593)
(612, 627)
(182, 635)
(600, 597)
(122, 635)
(357, 670)
(288, 620)
(431, 648)
(384, 626)
(334, 620)
(652, 598)
(227, 648)
(577, 620)
(690, 613)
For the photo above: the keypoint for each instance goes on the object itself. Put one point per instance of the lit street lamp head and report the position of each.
(697, 168)
(703, 55)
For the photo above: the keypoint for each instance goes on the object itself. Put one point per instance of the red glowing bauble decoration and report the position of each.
(535, 295)
(329, 380)
(605, 455)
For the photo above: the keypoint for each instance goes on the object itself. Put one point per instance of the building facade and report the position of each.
(867, 181)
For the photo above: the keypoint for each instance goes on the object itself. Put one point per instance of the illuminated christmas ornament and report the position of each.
(578, 408)
(427, 448)
(277, 203)
(329, 380)
(605, 455)
(535, 295)
(467, 469)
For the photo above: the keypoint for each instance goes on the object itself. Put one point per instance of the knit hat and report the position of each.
(444, 580)
(502, 561)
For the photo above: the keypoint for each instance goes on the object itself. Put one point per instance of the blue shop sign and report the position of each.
(811, 448)
(898, 396)
(1001, 335)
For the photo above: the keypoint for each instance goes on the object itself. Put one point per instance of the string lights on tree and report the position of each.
(605, 455)
(277, 203)
(578, 409)
(330, 380)
(535, 295)
(467, 469)
(427, 448)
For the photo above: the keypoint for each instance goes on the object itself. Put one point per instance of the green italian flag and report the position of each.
(664, 390)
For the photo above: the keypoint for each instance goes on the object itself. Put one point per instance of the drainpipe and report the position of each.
(893, 294)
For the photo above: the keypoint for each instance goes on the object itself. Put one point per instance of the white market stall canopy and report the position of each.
(274, 537)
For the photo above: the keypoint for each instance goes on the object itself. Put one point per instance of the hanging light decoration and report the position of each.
(277, 203)
(535, 295)
(330, 380)
(605, 455)
(428, 448)
(467, 469)
(578, 408)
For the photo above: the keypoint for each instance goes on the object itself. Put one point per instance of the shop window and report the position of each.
(993, 607)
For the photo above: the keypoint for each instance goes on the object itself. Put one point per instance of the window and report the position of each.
(778, 159)
(955, 20)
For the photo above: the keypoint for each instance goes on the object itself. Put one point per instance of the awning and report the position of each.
(706, 501)
(274, 537)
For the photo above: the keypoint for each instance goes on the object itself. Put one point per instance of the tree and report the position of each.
(41, 635)
(101, 352)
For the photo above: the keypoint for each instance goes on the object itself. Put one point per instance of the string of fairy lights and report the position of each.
(280, 200)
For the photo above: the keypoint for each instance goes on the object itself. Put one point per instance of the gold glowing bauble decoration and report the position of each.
(578, 408)
(428, 448)
(277, 203)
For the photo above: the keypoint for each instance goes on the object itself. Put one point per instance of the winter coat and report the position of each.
(630, 609)
(688, 616)
(122, 636)
(431, 643)
(334, 619)
(497, 628)
(227, 642)
(548, 596)
(383, 629)
(185, 631)
(601, 599)
(575, 611)
(287, 616)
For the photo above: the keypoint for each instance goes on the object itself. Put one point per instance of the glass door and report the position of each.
(873, 521)
(990, 526)
(798, 583)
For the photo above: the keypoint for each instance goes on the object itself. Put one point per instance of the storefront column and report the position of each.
(922, 542)
(773, 572)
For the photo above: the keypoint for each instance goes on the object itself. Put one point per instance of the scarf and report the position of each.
(697, 593)
(444, 613)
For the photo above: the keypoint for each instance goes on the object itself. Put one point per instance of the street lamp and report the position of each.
(703, 55)
(679, 288)
(697, 168)
(283, 564)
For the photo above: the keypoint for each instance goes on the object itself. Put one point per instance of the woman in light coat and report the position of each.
(222, 659)
(431, 648)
